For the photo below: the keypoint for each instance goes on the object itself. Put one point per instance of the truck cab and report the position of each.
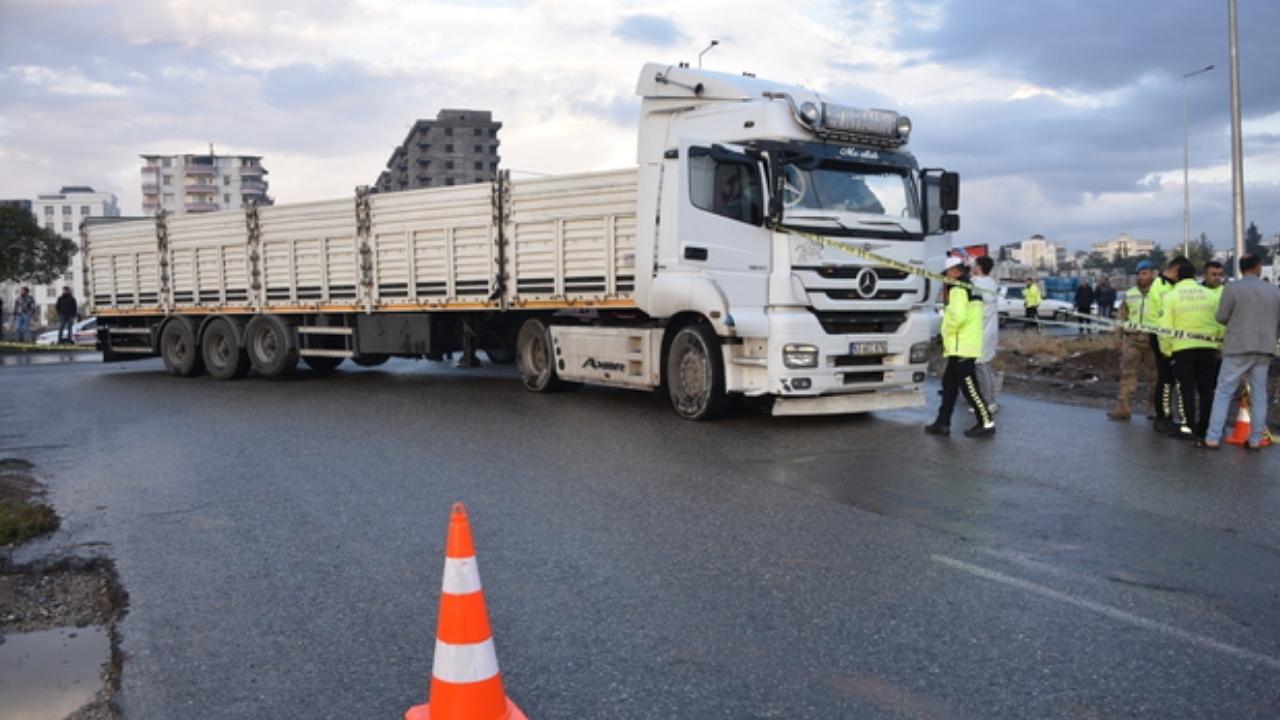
(750, 193)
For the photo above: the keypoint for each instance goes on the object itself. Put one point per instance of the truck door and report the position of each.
(721, 221)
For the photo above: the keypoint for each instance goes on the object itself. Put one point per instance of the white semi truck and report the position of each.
(680, 273)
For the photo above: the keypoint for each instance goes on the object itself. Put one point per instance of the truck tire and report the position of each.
(271, 347)
(178, 348)
(370, 359)
(695, 374)
(322, 364)
(223, 357)
(536, 358)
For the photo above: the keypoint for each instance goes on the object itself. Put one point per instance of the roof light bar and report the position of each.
(883, 128)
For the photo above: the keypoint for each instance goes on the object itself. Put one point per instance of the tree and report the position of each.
(1201, 251)
(1253, 241)
(1097, 260)
(1158, 257)
(30, 253)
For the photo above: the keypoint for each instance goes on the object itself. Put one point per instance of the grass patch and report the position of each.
(21, 520)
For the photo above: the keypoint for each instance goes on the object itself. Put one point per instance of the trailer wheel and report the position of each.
(270, 345)
(222, 354)
(178, 348)
(370, 359)
(322, 364)
(695, 374)
(536, 359)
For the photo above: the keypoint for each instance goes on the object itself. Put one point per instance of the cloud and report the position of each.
(650, 30)
(70, 81)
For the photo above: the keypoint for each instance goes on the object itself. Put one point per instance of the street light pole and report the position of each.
(1237, 148)
(1186, 172)
(704, 52)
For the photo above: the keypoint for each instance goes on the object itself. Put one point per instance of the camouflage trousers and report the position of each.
(1137, 358)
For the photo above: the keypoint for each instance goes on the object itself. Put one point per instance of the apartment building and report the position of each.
(456, 148)
(182, 184)
(62, 212)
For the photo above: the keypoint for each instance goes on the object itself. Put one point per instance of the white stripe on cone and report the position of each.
(461, 576)
(465, 663)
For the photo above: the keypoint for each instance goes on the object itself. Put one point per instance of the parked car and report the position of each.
(1010, 304)
(84, 332)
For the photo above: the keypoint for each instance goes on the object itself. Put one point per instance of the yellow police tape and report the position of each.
(1094, 320)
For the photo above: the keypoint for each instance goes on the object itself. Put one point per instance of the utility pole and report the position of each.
(1186, 162)
(1237, 146)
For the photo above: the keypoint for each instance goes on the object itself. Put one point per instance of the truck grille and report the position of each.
(858, 323)
(849, 272)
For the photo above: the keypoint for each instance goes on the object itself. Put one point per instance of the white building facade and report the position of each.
(62, 212)
(1038, 253)
(181, 184)
(1123, 246)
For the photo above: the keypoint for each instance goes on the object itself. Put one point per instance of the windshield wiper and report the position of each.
(885, 223)
(827, 218)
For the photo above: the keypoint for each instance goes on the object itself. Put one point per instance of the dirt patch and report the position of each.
(1079, 370)
(59, 592)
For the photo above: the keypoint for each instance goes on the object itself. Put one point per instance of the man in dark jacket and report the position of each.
(1106, 298)
(66, 308)
(1084, 303)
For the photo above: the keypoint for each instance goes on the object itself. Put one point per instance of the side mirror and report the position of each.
(939, 196)
(949, 191)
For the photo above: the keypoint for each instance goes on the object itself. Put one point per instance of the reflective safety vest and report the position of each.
(1031, 296)
(962, 324)
(1191, 307)
(1160, 287)
(1142, 308)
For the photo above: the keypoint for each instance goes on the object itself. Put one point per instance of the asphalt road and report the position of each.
(282, 547)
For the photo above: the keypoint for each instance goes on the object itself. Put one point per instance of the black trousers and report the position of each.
(1196, 371)
(960, 376)
(1164, 389)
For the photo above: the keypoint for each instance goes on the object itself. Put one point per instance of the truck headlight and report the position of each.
(920, 352)
(795, 355)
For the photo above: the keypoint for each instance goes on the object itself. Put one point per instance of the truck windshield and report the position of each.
(846, 187)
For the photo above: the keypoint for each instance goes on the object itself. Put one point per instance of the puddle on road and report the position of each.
(50, 673)
(49, 358)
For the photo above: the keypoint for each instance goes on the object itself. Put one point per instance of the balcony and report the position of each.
(151, 170)
(201, 189)
(201, 206)
(252, 170)
(253, 185)
(150, 187)
(200, 170)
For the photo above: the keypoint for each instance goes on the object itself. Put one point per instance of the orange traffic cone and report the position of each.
(1240, 435)
(465, 681)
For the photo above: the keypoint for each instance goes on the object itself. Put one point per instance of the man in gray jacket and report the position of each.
(1250, 308)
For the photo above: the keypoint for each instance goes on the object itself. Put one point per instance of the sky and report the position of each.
(1063, 117)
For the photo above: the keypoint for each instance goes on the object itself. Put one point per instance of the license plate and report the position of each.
(871, 347)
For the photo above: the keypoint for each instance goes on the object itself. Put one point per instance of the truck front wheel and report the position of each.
(536, 358)
(695, 374)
